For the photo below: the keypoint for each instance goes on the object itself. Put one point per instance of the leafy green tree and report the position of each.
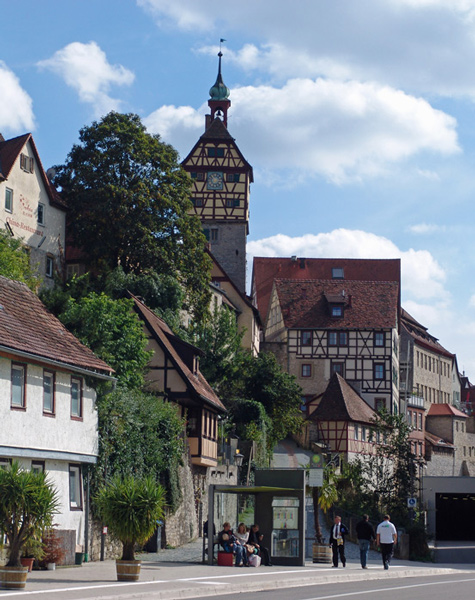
(15, 261)
(113, 332)
(131, 508)
(266, 382)
(129, 205)
(220, 339)
(140, 434)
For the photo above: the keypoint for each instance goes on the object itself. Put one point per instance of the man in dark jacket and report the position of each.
(365, 534)
(337, 541)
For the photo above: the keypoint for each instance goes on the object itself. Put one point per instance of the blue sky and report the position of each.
(357, 116)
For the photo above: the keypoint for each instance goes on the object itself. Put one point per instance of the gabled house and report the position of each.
(317, 328)
(340, 421)
(175, 374)
(47, 402)
(30, 207)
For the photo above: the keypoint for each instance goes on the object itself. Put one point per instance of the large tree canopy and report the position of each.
(129, 204)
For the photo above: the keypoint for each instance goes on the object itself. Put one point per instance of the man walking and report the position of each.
(386, 537)
(365, 534)
(337, 541)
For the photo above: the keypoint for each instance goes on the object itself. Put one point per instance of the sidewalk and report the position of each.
(165, 576)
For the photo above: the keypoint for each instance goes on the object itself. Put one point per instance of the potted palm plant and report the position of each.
(28, 503)
(323, 498)
(130, 507)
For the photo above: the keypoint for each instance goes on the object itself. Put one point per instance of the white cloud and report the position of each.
(421, 46)
(422, 277)
(426, 228)
(16, 106)
(85, 68)
(342, 130)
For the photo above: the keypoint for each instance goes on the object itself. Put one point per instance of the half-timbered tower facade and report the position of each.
(317, 328)
(221, 179)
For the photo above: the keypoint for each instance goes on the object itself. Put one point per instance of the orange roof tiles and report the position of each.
(439, 410)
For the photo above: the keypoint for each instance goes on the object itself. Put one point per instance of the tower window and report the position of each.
(214, 235)
(216, 152)
(232, 177)
(198, 202)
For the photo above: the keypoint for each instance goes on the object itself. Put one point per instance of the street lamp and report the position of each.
(238, 459)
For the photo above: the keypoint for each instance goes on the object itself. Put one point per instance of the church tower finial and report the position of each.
(219, 102)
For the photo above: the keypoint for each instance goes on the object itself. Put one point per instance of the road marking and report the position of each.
(400, 587)
(18, 593)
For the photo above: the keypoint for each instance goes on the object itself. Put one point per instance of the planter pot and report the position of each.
(28, 562)
(51, 566)
(13, 578)
(322, 553)
(128, 570)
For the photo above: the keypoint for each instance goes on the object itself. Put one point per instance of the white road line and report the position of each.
(78, 588)
(378, 591)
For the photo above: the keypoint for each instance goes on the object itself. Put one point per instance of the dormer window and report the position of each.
(338, 273)
(336, 311)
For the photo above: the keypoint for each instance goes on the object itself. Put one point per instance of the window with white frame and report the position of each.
(357, 432)
(8, 200)
(48, 392)
(76, 398)
(75, 487)
(306, 370)
(18, 398)
(5, 463)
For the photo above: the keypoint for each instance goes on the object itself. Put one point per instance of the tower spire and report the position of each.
(219, 95)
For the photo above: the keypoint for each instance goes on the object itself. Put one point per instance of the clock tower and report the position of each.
(221, 179)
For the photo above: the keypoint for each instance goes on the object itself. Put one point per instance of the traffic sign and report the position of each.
(411, 502)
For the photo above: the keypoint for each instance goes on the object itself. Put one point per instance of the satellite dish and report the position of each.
(50, 173)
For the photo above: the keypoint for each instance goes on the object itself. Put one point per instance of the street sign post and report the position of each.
(315, 477)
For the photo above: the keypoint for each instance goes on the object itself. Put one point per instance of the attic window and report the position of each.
(336, 311)
(338, 273)
(216, 152)
(26, 163)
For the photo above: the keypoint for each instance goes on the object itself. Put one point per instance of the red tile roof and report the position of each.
(421, 335)
(171, 344)
(438, 410)
(9, 153)
(435, 440)
(26, 326)
(265, 270)
(368, 304)
(340, 402)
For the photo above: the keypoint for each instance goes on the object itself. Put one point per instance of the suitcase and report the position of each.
(225, 559)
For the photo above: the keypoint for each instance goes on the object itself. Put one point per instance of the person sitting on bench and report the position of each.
(230, 544)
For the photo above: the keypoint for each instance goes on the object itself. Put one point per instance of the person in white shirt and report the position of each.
(386, 537)
(337, 541)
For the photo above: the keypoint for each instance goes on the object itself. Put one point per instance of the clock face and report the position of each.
(215, 180)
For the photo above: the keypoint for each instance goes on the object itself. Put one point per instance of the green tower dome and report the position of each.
(219, 91)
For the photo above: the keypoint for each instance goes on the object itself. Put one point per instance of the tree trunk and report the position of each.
(318, 530)
(128, 551)
(14, 553)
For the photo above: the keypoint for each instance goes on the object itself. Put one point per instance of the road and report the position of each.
(455, 587)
